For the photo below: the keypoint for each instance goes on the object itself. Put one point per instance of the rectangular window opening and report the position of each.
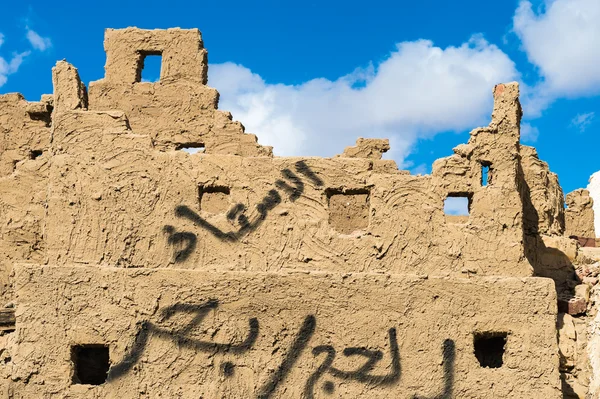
(489, 348)
(7, 321)
(191, 148)
(457, 207)
(91, 364)
(149, 67)
(486, 174)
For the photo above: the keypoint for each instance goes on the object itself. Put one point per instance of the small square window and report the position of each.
(489, 348)
(486, 173)
(149, 67)
(457, 207)
(91, 364)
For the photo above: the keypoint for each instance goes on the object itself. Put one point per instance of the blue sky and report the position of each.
(311, 77)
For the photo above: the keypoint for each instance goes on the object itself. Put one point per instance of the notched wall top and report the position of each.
(182, 50)
(178, 110)
(95, 178)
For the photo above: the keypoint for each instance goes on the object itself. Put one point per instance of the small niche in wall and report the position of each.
(348, 209)
(457, 207)
(91, 364)
(33, 154)
(149, 67)
(486, 173)
(214, 199)
(489, 348)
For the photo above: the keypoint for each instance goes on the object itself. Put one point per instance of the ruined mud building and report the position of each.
(132, 269)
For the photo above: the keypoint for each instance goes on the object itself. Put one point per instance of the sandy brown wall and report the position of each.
(235, 334)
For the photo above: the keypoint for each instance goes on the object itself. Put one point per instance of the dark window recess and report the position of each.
(486, 174)
(149, 67)
(457, 207)
(489, 348)
(33, 154)
(91, 364)
(7, 320)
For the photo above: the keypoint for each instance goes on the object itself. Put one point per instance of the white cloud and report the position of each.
(458, 206)
(38, 42)
(582, 121)
(594, 189)
(562, 38)
(10, 67)
(417, 91)
(529, 134)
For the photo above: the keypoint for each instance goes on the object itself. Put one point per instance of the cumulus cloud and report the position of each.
(419, 90)
(457, 206)
(38, 42)
(582, 121)
(529, 134)
(562, 38)
(12, 66)
(594, 189)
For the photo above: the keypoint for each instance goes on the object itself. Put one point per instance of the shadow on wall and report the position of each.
(546, 261)
(551, 262)
(566, 388)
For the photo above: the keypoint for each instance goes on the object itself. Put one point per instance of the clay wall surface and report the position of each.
(181, 333)
(544, 199)
(305, 268)
(147, 207)
(579, 215)
(24, 154)
(24, 129)
(177, 111)
(594, 189)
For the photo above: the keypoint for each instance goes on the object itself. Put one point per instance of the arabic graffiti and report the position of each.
(363, 373)
(448, 353)
(182, 237)
(293, 188)
(182, 339)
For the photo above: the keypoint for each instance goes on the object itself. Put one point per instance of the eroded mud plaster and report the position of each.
(579, 214)
(198, 274)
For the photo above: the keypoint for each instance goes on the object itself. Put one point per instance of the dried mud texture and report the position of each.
(25, 130)
(544, 213)
(101, 181)
(593, 341)
(140, 207)
(349, 211)
(24, 153)
(594, 189)
(367, 148)
(177, 333)
(579, 215)
(177, 111)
